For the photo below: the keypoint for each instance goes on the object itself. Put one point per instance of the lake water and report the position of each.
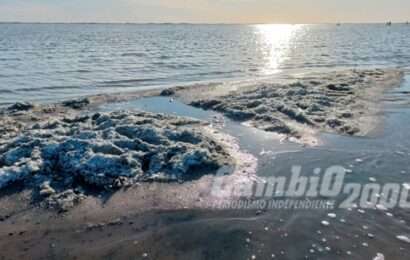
(48, 62)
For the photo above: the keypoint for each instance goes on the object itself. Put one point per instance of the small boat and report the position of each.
(388, 23)
(338, 24)
(407, 23)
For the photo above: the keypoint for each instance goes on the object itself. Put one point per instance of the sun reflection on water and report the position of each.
(276, 41)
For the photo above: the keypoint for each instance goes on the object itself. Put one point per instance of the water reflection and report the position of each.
(276, 41)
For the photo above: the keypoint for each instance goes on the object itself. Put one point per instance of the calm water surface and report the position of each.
(45, 62)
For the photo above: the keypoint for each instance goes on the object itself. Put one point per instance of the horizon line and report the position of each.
(200, 23)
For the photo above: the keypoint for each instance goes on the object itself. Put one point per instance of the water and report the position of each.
(287, 233)
(48, 62)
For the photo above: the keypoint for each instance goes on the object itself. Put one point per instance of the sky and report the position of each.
(205, 11)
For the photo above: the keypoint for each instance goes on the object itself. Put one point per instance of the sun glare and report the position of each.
(276, 41)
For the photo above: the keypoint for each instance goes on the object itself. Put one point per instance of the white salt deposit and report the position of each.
(403, 238)
(379, 256)
(331, 215)
(325, 223)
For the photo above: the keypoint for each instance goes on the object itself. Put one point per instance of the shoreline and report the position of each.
(340, 102)
(110, 213)
(213, 90)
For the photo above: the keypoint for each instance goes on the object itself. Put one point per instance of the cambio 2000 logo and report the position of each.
(329, 184)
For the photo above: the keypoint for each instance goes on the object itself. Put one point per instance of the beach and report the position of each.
(128, 174)
(204, 141)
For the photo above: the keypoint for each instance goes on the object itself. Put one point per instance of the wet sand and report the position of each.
(171, 220)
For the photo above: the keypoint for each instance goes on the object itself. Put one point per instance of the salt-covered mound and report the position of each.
(342, 102)
(107, 151)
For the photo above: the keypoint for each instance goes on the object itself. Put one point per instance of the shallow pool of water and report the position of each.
(354, 233)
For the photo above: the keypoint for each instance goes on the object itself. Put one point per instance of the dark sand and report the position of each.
(171, 220)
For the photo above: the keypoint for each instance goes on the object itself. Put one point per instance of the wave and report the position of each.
(10, 59)
(133, 54)
(217, 73)
(125, 82)
(83, 71)
(48, 88)
(130, 81)
(176, 65)
(6, 91)
(5, 104)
